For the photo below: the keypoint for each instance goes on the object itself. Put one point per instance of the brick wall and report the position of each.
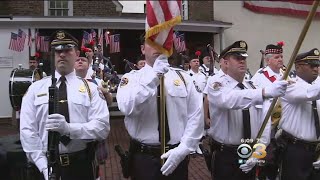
(24, 8)
(94, 8)
(200, 10)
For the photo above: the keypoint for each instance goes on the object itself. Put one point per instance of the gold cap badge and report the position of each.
(61, 35)
(243, 44)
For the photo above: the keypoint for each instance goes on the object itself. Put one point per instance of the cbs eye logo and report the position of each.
(245, 151)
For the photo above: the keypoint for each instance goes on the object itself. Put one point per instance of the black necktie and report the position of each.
(316, 118)
(245, 119)
(63, 106)
(167, 131)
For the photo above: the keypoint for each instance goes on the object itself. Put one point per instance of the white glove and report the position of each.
(250, 163)
(277, 89)
(58, 123)
(316, 164)
(45, 174)
(174, 157)
(161, 65)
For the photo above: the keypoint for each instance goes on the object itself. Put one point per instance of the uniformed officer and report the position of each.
(137, 99)
(233, 106)
(198, 76)
(83, 116)
(88, 50)
(81, 67)
(205, 60)
(264, 78)
(299, 125)
(274, 59)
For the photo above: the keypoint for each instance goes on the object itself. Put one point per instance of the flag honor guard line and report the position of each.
(161, 17)
(290, 64)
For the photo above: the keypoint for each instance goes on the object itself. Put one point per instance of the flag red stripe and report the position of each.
(298, 2)
(165, 10)
(281, 11)
(168, 43)
(152, 19)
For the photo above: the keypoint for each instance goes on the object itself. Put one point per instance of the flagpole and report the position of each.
(290, 64)
(29, 38)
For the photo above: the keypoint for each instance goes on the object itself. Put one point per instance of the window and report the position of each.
(58, 8)
(184, 10)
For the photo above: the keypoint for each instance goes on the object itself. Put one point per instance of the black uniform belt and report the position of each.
(72, 158)
(215, 145)
(155, 150)
(294, 140)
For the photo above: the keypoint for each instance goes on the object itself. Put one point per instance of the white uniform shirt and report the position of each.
(297, 115)
(88, 119)
(264, 77)
(137, 99)
(226, 102)
(200, 78)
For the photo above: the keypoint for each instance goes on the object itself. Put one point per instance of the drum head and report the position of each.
(19, 83)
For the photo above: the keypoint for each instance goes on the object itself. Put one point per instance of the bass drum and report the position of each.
(20, 80)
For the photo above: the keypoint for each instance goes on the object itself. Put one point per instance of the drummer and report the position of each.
(33, 63)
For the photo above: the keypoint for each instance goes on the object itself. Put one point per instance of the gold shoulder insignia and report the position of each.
(176, 82)
(216, 85)
(82, 89)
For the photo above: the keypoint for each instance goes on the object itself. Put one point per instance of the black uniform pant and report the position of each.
(147, 167)
(77, 166)
(297, 162)
(226, 166)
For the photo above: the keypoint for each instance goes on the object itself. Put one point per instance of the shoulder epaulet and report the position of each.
(203, 73)
(251, 84)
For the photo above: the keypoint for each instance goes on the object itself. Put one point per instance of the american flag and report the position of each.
(37, 38)
(29, 38)
(287, 7)
(44, 43)
(14, 42)
(179, 42)
(86, 38)
(21, 39)
(101, 38)
(115, 43)
(93, 33)
(161, 17)
(107, 38)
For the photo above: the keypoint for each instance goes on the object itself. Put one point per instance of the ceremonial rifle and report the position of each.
(290, 64)
(213, 58)
(262, 58)
(53, 137)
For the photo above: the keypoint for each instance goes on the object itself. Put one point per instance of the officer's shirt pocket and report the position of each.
(177, 91)
(78, 109)
(41, 102)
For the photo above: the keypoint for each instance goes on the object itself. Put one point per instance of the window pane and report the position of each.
(58, 4)
(65, 4)
(59, 12)
(52, 4)
(65, 12)
(52, 12)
